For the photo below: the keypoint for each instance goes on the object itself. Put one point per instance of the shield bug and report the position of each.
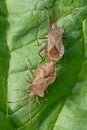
(54, 48)
(44, 76)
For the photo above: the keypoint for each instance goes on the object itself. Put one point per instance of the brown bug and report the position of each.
(44, 76)
(54, 48)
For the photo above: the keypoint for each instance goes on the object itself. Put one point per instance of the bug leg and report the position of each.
(42, 37)
(31, 72)
(28, 80)
(37, 100)
(42, 58)
(29, 67)
(19, 100)
(37, 44)
(23, 90)
(43, 48)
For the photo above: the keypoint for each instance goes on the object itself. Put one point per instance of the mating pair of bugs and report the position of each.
(46, 73)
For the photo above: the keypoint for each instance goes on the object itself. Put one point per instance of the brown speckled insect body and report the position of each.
(45, 75)
(54, 48)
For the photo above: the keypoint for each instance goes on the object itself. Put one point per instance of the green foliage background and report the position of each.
(64, 107)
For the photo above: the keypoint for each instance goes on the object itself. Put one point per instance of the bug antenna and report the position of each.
(50, 13)
(69, 12)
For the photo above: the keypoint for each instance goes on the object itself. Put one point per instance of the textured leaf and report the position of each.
(5, 123)
(64, 107)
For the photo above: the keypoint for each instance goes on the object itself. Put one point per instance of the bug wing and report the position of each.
(51, 42)
(60, 49)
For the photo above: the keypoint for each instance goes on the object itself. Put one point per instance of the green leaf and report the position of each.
(5, 123)
(4, 56)
(64, 107)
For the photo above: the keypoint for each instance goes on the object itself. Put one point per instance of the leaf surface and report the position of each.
(64, 107)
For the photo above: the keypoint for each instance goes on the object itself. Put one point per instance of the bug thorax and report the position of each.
(55, 34)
